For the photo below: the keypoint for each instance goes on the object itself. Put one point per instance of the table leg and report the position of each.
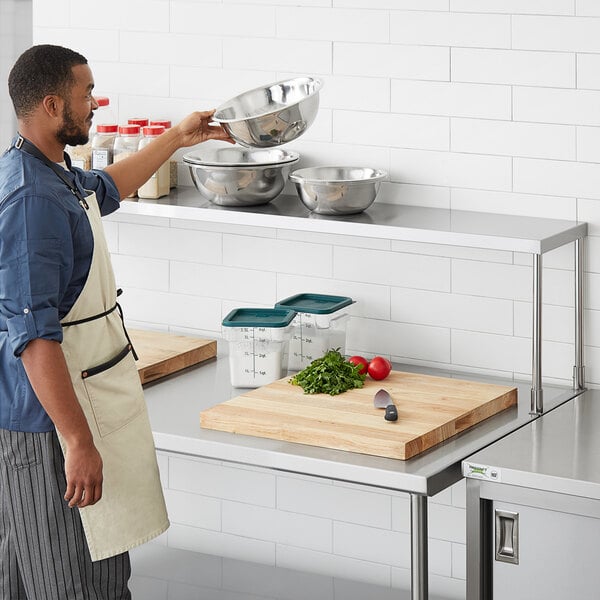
(419, 547)
(579, 369)
(537, 394)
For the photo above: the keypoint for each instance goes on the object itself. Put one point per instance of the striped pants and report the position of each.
(43, 551)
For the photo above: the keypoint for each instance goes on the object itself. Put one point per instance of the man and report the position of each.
(79, 483)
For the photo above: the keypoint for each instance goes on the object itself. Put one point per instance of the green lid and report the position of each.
(319, 304)
(259, 317)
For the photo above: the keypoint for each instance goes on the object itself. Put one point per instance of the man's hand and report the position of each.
(197, 128)
(83, 468)
(130, 173)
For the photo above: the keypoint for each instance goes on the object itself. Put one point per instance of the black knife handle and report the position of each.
(391, 412)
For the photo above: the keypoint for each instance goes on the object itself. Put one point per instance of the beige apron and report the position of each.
(98, 353)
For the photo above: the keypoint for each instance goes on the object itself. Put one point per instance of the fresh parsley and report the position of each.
(331, 374)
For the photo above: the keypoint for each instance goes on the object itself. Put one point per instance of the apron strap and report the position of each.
(26, 146)
(92, 318)
(117, 306)
(135, 355)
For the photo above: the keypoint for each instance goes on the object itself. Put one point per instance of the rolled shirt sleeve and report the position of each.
(36, 262)
(32, 325)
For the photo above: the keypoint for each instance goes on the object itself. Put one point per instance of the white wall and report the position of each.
(15, 36)
(487, 105)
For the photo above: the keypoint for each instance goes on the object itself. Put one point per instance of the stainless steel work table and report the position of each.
(175, 403)
(433, 471)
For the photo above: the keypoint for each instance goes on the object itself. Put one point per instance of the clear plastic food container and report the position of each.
(258, 344)
(319, 326)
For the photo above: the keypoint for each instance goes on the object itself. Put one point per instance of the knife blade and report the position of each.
(382, 399)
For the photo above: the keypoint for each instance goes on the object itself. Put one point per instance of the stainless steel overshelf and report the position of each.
(390, 221)
(410, 223)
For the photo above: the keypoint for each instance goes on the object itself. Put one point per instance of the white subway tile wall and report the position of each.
(483, 105)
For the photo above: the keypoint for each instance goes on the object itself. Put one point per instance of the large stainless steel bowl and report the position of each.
(271, 115)
(337, 190)
(236, 176)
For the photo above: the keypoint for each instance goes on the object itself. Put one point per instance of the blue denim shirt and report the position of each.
(46, 249)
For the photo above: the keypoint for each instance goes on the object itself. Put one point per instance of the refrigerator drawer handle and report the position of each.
(507, 536)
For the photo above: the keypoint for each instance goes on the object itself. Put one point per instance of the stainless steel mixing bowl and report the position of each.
(235, 176)
(337, 190)
(271, 115)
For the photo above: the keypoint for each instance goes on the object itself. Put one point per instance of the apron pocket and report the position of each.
(114, 392)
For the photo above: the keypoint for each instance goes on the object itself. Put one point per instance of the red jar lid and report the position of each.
(106, 128)
(164, 122)
(129, 129)
(153, 130)
(102, 100)
(138, 121)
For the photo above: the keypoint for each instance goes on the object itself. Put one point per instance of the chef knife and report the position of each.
(382, 399)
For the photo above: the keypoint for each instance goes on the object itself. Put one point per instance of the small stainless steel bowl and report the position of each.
(271, 115)
(235, 176)
(337, 190)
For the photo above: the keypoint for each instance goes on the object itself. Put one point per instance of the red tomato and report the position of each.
(379, 368)
(360, 362)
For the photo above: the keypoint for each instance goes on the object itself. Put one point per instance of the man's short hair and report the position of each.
(41, 71)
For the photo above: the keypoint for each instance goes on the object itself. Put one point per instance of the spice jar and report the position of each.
(81, 156)
(141, 121)
(158, 184)
(166, 123)
(127, 141)
(103, 145)
(126, 144)
(103, 114)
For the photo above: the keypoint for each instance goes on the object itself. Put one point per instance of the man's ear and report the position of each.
(53, 105)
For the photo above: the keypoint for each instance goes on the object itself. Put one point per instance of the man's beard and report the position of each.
(70, 133)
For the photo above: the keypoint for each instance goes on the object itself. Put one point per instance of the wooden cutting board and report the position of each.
(430, 410)
(161, 354)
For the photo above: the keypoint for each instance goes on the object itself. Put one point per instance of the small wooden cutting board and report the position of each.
(161, 354)
(430, 410)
